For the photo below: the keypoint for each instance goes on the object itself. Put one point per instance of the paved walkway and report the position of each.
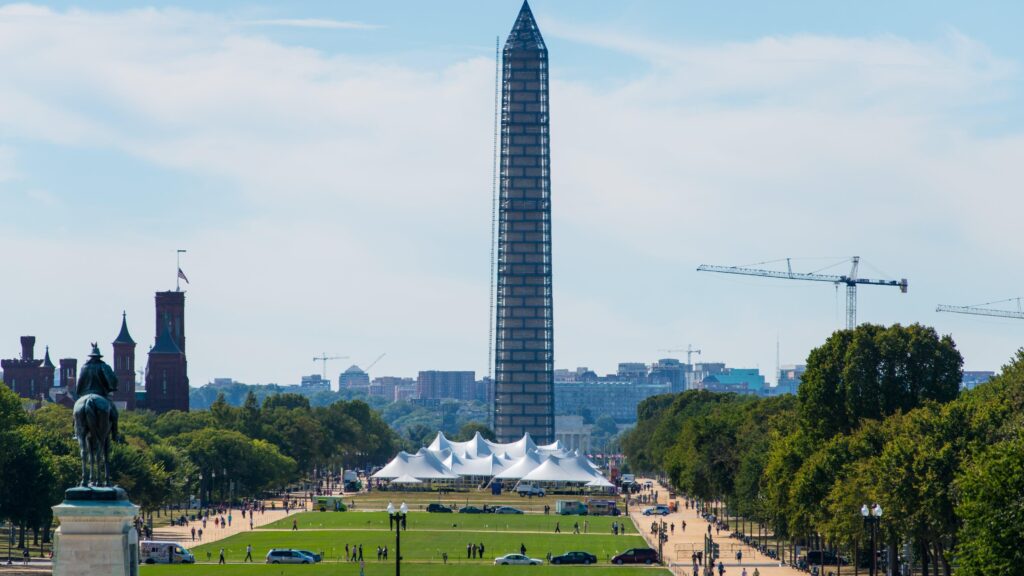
(183, 534)
(682, 543)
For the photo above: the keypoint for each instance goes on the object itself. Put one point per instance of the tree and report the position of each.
(872, 372)
(992, 511)
(288, 401)
(11, 412)
(605, 426)
(469, 429)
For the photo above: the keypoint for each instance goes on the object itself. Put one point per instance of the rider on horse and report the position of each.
(98, 378)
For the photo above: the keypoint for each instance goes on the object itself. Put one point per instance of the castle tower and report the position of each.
(68, 374)
(166, 373)
(25, 375)
(524, 343)
(47, 373)
(170, 307)
(124, 366)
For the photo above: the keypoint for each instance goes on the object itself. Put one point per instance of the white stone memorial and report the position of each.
(96, 538)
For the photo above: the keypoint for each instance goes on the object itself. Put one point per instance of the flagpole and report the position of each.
(177, 273)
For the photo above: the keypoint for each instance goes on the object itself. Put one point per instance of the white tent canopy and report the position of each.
(478, 457)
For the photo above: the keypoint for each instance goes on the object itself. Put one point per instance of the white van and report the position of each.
(153, 552)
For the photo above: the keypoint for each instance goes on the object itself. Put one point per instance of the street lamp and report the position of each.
(396, 520)
(872, 516)
(662, 536)
(202, 500)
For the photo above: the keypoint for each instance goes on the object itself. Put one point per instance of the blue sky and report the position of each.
(328, 167)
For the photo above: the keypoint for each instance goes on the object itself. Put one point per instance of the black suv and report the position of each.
(637, 556)
(435, 507)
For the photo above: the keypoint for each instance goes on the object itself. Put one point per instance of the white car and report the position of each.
(517, 560)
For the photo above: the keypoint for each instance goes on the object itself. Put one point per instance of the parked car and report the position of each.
(507, 510)
(289, 556)
(528, 489)
(575, 558)
(436, 507)
(637, 556)
(659, 510)
(517, 560)
(155, 552)
(471, 510)
(316, 557)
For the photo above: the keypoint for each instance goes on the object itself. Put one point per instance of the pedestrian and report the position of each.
(474, 550)
(721, 568)
(25, 555)
(295, 524)
(469, 550)
(558, 529)
(586, 526)
(193, 533)
(444, 557)
(380, 551)
(229, 519)
(248, 552)
(739, 556)
(385, 552)
(360, 552)
(362, 567)
(221, 559)
(522, 549)
(672, 528)
(744, 573)
(250, 521)
(757, 572)
(200, 533)
(481, 549)
(575, 527)
(204, 521)
(355, 553)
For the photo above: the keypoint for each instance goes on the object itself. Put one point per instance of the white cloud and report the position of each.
(364, 190)
(322, 23)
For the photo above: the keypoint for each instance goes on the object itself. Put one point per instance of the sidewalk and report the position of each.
(682, 543)
(183, 534)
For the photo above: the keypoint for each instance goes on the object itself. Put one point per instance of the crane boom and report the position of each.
(851, 281)
(979, 311)
(323, 357)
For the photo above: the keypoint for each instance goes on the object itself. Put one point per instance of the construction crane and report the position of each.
(850, 280)
(980, 310)
(690, 351)
(372, 364)
(323, 357)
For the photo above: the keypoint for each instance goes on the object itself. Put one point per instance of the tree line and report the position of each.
(879, 418)
(223, 453)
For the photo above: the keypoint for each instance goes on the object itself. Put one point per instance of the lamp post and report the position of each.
(202, 500)
(872, 516)
(213, 482)
(661, 540)
(224, 481)
(396, 520)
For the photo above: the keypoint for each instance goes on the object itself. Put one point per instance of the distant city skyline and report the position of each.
(328, 168)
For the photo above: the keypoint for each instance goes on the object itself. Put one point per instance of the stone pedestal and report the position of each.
(96, 538)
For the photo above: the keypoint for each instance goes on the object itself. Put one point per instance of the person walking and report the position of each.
(558, 528)
(362, 567)
(757, 572)
(295, 524)
(522, 549)
(380, 552)
(250, 521)
(575, 527)
(221, 559)
(248, 552)
(385, 552)
(481, 549)
(721, 568)
(744, 572)
(739, 556)
(200, 534)
(355, 553)
(360, 552)
(672, 528)
(444, 557)
(193, 533)
(469, 550)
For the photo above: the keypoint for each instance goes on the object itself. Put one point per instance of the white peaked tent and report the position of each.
(557, 469)
(478, 458)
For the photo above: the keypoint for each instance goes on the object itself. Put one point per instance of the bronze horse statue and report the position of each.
(95, 418)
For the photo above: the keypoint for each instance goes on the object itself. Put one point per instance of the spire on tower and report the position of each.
(124, 337)
(46, 361)
(525, 34)
(165, 342)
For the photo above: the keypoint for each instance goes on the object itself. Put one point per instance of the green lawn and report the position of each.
(417, 544)
(388, 569)
(426, 520)
(419, 500)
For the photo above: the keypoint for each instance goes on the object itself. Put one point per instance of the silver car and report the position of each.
(517, 560)
(289, 556)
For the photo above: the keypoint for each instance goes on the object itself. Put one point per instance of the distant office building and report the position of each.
(222, 382)
(573, 433)
(384, 386)
(669, 371)
(740, 380)
(615, 398)
(633, 371)
(167, 368)
(315, 383)
(524, 343)
(457, 385)
(702, 370)
(789, 379)
(405, 391)
(354, 377)
(28, 376)
(973, 378)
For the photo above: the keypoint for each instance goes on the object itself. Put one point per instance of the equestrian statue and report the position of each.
(95, 419)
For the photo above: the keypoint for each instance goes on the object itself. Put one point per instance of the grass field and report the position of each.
(425, 520)
(417, 544)
(388, 569)
(418, 500)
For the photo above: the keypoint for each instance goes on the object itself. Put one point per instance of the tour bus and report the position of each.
(153, 552)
